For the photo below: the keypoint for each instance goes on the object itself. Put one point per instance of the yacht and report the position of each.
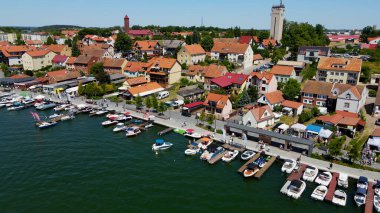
(296, 188)
(324, 178)
(362, 183)
(248, 154)
(119, 127)
(360, 196)
(339, 198)
(148, 126)
(109, 123)
(310, 173)
(192, 150)
(160, 144)
(190, 133)
(229, 156)
(343, 180)
(45, 106)
(288, 166)
(67, 117)
(15, 108)
(206, 155)
(132, 131)
(55, 115)
(101, 112)
(376, 203)
(45, 124)
(319, 193)
(251, 170)
(61, 107)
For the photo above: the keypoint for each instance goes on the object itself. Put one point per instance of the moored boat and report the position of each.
(132, 131)
(45, 124)
(192, 151)
(248, 154)
(376, 203)
(230, 155)
(109, 123)
(67, 117)
(324, 178)
(319, 193)
(192, 134)
(160, 144)
(310, 174)
(343, 180)
(362, 183)
(296, 188)
(288, 166)
(360, 196)
(377, 187)
(204, 143)
(251, 170)
(339, 198)
(46, 106)
(119, 127)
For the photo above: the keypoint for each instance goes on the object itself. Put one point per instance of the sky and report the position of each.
(333, 14)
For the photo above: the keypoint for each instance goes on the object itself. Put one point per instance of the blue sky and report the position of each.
(222, 13)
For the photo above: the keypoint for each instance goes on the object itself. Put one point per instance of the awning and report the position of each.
(374, 142)
(313, 129)
(298, 127)
(40, 97)
(283, 127)
(72, 89)
(325, 133)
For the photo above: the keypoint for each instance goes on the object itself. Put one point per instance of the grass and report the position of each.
(288, 120)
(172, 93)
(374, 66)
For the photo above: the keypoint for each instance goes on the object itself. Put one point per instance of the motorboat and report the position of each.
(288, 166)
(296, 188)
(377, 187)
(362, 183)
(67, 117)
(230, 155)
(343, 180)
(109, 123)
(137, 121)
(179, 131)
(15, 108)
(53, 116)
(93, 112)
(216, 152)
(324, 178)
(360, 196)
(101, 112)
(160, 144)
(206, 155)
(376, 202)
(339, 198)
(251, 170)
(60, 107)
(119, 127)
(127, 118)
(190, 133)
(260, 161)
(310, 174)
(248, 154)
(45, 124)
(132, 131)
(46, 106)
(204, 143)
(192, 151)
(319, 193)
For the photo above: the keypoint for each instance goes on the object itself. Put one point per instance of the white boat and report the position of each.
(193, 135)
(109, 123)
(343, 180)
(251, 170)
(216, 152)
(101, 112)
(324, 178)
(205, 155)
(61, 107)
(339, 198)
(15, 108)
(55, 116)
(360, 196)
(319, 193)
(296, 188)
(160, 144)
(248, 154)
(362, 183)
(46, 124)
(204, 143)
(119, 127)
(310, 174)
(2, 105)
(229, 156)
(46, 106)
(148, 126)
(376, 203)
(67, 117)
(288, 166)
(192, 151)
(377, 187)
(132, 131)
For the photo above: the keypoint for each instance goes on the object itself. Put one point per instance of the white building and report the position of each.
(236, 53)
(260, 117)
(277, 22)
(351, 100)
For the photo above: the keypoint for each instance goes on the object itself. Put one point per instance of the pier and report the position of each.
(296, 175)
(248, 162)
(265, 167)
(332, 187)
(232, 148)
(166, 131)
(217, 158)
(369, 200)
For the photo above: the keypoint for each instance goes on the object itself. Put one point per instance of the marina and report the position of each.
(369, 200)
(332, 187)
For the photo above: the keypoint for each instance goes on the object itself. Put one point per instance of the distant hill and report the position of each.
(58, 27)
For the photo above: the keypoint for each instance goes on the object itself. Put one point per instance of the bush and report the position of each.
(372, 93)
(219, 131)
(129, 102)
(305, 116)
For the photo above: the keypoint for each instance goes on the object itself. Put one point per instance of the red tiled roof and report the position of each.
(145, 45)
(282, 70)
(57, 48)
(376, 132)
(71, 60)
(38, 53)
(341, 64)
(347, 114)
(255, 39)
(266, 42)
(291, 104)
(140, 32)
(373, 38)
(62, 75)
(257, 57)
(59, 59)
(33, 42)
(274, 97)
(134, 66)
(245, 39)
(229, 79)
(221, 47)
(17, 76)
(258, 113)
(135, 81)
(195, 49)
(342, 118)
(144, 88)
(163, 63)
(221, 100)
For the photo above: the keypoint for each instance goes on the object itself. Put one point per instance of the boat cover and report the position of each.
(159, 141)
(251, 166)
(361, 191)
(363, 179)
(325, 133)
(377, 185)
(296, 183)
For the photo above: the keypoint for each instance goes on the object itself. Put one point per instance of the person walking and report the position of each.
(331, 165)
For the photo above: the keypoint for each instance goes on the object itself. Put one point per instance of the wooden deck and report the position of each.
(165, 131)
(248, 162)
(217, 158)
(265, 167)
(296, 175)
(370, 197)
(229, 147)
(332, 187)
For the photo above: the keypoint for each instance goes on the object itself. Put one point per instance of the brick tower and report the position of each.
(126, 24)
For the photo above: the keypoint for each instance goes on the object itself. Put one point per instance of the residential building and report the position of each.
(339, 70)
(39, 36)
(344, 39)
(369, 46)
(277, 21)
(283, 73)
(11, 55)
(70, 34)
(257, 59)
(33, 43)
(346, 122)
(37, 59)
(135, 69)
(259, 117)
(218, 105)
(266, 43)
(99, 53)
(9, 37)
(296, 107)
(150, 48)
(271, 99)
(60, 49)
(205, 74)
(226, 40)
(70, 63)
(140, 33)
(143, 90)
(246, 40)
(308, 54)
(132, 82)
(191, 54)
(83, 63)
(170, 47)
(61, 75)
(117, 78)
(351, 99)
(374, 40)
(297, 65)
(108, 50)
(165, 71)
(231, 82)
(192, 93)
(59, 60)
(59, 40)
(94, 39)
(236, 53)
(264, 82)
(114, 66)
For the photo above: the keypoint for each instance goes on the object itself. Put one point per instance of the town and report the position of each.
(296, 88)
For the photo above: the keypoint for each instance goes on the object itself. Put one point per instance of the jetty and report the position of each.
(296, 175)
(332, 187)
(217, 158)
(369, 199)
(166, 131)
(265, 167)
(232, 148)
(248, 162)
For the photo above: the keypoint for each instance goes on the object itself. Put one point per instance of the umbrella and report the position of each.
(189, 130)
(127, 113)
(205, 139)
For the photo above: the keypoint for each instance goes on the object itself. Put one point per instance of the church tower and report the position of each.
(126, 24)
(277, 22)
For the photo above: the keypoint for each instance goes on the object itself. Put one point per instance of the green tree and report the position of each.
(183, 82)
(68, 42)
(253, 93)
(49, 41)
(75, 50)
(5, 69)
(207, 42)
(123, 42)
(263, 35)
(237, 32)
(154, 101)
(19, 40)
(145, 57)
(210, 119)
(138, 102)
(335, 146)
(80, 88)
(196, 37)
(309, 72)
(202, 116)
(161, 108)
(184, 66)
(291, 89)
(98, 71)
(366, 74)
(148, 103)
(188, 40)
(354, 152)
(186, 100)
(28, 72)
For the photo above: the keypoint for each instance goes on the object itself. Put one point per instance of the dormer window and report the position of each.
(348, 96)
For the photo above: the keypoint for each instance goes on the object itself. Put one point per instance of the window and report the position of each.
(262, 88)
(341, 74)
(348, 96)
(308, 95)
(337, 73)
(332, 73)
(341, 81)
(346, 105)
(331, 80)
(321, 96)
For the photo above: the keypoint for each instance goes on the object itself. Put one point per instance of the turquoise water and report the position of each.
(80, 166)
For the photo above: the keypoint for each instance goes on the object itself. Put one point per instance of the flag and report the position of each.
(245, 139)
(224, 134)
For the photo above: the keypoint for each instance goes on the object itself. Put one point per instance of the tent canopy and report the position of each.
(313, 129)
(298, 127)
(325, 133)
(374, 142)
(283, 127)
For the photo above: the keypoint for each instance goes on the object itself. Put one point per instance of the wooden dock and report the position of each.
(217, 158)
(332, 187)
(232, 148)
(265, 167)
(296, 175)
(370, 197)
(248, 162)
(165, 131)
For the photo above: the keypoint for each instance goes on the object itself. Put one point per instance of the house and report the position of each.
(374, 140)
(8, 37)
(192, 93)
(70, 63)
(59, 60)
(264, 82)
(94, 39)
(345, 39)
(205, 74)
(170, 47)
(140, 33)
(117, 78)
(257, 59)
(150, 48)
(60, 49)
(165, 71)
(37, 59)
(339, 70)
(271, 99)
(346, 122)
(59, 40)
(33, 43)
(297, 65)
(295, 107)
(87, 49)
(266, 43)
(70, 34)
(132, 82)
(114, 66)
(231, 81)
(350, 98)
(143, 90)
(98, 53)
(135, 69)
(236, 53)
(259, 117)
(83, 63)
(219, 105)
(61, 75)
(283, 73)
(191, 54)
(246, 40)
(308, 54)
(11, 55)
(39, 36)
(374, 40)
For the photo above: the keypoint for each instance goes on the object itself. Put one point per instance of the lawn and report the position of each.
(374, 66)
(288, 120)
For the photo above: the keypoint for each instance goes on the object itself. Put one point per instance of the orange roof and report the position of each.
(33, 42)
(334, 119)
(373, 38)
(226, 40)
(258, 113)
(261, 75)
(164, 63)
(257, 57)
(210, 71)
(62, 75)
(291, 104)
(134, 81)
(347, 114)
(221, 100)
(274, 97)
(266, 42)
(57, 48)
(376, 132)
(134, 66)
(118, 63)
(144, 88)
(340, 64)
(195, 49)
(71, 60)
(4, 43)
(221, 47)
(7, 50)
(145, 45)
(38, 53)
(19, 76)
(282, 70)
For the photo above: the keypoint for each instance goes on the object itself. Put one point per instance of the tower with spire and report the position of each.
(277, 21)
(126, 23)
